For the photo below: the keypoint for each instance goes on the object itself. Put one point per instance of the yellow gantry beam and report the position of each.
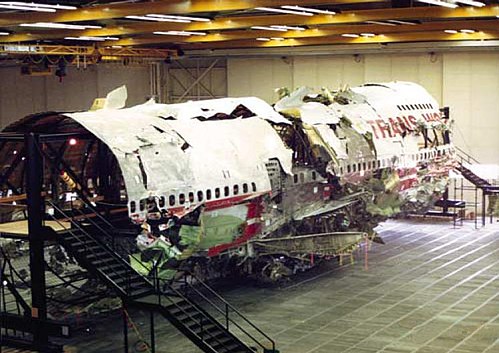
(234, 23)
(489, 25)
(110, 11)
(388, 38)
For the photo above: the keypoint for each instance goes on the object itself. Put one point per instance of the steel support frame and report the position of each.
(34, 179)
(196, 83)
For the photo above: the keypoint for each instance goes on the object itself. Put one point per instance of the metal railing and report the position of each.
(225, 309)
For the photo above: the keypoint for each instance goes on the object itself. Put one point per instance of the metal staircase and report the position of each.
(98, 256)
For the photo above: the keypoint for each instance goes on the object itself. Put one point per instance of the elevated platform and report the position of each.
(19, 229)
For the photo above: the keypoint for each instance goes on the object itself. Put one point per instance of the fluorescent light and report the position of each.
(402, 22)
(350, 35)
(24, 8)
(270, 9)
(181, 18)
(31, 6)
(263, 39)
(276, 38)
(467, 31)
(440, 3)
(471, 3)
(289, 28)
(96, 39)
(451, 31)
(36, 5)
(265, 28)
(181, 33)
(367, 35)
(4, 33)
(381, 23)
(156, 19)
(57, 25)
(299, 8)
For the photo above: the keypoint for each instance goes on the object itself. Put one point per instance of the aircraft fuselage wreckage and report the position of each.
(236, 184)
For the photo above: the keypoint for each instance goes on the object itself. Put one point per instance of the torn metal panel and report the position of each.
(184, 156)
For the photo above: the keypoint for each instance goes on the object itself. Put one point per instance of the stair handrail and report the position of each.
(5, 282)
(159, 293)
(74, 234)
(226, 312)
(463, 155)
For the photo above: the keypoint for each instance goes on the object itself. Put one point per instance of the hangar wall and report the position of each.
(23, 95)
(467, 82)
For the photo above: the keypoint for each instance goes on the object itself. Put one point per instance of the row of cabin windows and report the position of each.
(385, 162)
(199, 196)
(302, 177)
(415, 106)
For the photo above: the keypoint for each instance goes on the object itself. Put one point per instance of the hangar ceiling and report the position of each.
(215, 24)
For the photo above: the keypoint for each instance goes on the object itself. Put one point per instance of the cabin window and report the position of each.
(379, 164)
(348, 168)
(364, 167)
(200, 196)
(226, 191)
(236, 189)
(341, 170)
(314, 175)
(217, 193)
(142, 205)
(162, 201)
(359, 167)
(191, 197)
(208, 194)
(245, 188)
(295, 178)
(253, 187)
(354, 168)
(171, 200)
(181, 199)
(133, 206)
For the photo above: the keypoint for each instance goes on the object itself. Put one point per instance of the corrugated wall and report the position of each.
(466, 82)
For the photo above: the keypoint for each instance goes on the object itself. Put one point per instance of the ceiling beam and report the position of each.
(389, 38)
(110, 11)
(480, 25)
(229, 23)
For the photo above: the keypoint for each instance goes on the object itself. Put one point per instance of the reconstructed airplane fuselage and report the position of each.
(272, 189)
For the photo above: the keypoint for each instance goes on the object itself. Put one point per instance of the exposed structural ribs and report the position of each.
(135, 290)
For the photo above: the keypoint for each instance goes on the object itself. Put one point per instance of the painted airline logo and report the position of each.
(399, 125)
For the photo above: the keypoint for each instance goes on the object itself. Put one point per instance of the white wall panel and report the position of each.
(258, 77)
(23, 95)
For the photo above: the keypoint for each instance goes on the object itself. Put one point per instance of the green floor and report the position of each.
(430, 288)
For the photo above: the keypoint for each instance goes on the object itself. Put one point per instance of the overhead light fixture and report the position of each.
(277, 38)
(271, 9)
(181, 18)
(180, 33)
(381, 23)
(368, 35)
(57, 25)
(467, 31)
(31, 6)
(350, 35)
(156, 19)
(271, 28)
(440, 3)
(95, 39)
(451, 31)
(263, 39)
(4, 33)
(307, 9)
(399, 22)
(289, 28)
(471, 3)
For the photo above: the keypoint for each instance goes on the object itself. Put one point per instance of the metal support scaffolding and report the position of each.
(34, 177)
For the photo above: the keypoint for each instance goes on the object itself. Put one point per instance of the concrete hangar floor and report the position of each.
(430, 289)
